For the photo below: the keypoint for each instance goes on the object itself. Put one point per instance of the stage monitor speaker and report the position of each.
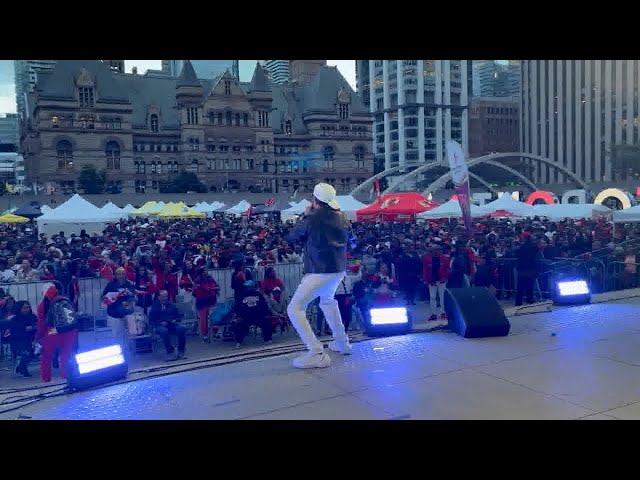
(474, 313)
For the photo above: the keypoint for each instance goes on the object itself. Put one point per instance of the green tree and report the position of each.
(625, 160)
(91, 180)
(183, 183)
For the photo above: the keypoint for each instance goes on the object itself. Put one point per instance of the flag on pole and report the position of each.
(295, 194)
(270, 202)
(460, 177)
(376, 186)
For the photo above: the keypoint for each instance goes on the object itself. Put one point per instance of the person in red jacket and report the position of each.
(435, 272)
(165, 279)
(205, 292)
(50, 339)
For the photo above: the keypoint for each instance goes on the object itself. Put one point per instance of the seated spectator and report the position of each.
(6, 307)
(22, 330)
(119, 297)
(165, 279)
(144, 289)
(271, 281)
(165, 318)
(6, 274)
(252, 309)
(278, 305)
(27, 273)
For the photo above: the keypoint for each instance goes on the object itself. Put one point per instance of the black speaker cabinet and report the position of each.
(475, 313)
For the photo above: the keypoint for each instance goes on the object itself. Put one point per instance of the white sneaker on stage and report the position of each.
(340, 347)
(312, 360)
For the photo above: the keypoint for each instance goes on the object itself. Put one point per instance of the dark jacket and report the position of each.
(118, 306)
(324, 233)
(18, 327)
(163, 312)
(526, 258)
(252, 306)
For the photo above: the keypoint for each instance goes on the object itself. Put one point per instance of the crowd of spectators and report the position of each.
(156, 261)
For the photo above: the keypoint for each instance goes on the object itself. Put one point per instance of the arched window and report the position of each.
(328, 153)
(228, 118)
(153, 120)
(245, 119)
(112, 152)
(265, 166)
(153, 167)
(65, 154)
(343, 111)
(237, 119)
(195, 164)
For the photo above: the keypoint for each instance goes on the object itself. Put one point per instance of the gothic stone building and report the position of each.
(142, 130)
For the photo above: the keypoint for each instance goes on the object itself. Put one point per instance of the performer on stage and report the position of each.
(324, 231)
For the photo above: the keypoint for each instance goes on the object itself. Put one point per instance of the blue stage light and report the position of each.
(95, 367)
(388, 321)
(99, 359)
(572, 292)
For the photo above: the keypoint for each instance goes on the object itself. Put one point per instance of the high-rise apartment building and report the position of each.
(26, 76)
(493, 78)
(362, 80)
(574, 112)
(418, 106)
(9, 131)
(278, 70)
(205, 69)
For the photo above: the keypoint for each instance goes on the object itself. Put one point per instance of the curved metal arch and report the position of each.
(369, 181)
(440, 182)
(481, 180)
(494, 156)
(512, 171)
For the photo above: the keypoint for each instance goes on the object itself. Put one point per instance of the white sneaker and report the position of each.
(341, 347)
(312, 360)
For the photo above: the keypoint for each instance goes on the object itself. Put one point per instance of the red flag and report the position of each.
(248, 212)
(270, 202)
(376, 188)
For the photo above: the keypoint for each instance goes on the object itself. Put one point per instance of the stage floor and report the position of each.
(589, 370)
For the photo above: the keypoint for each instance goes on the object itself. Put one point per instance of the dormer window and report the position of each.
(55, 121)
(343, 111)
(227, 88)
(153, 120)
(287, 127)
(86, 97)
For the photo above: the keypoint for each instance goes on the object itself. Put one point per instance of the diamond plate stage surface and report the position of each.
(590, 369)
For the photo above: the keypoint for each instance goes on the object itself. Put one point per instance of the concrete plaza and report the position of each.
(571, 363)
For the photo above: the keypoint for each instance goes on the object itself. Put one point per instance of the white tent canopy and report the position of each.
(560, 211)
(72, 216)
(450, 209)
(239, 208)
(128, 208)
(509, 204)
(113, 210)
(628, 215)
(349, 205)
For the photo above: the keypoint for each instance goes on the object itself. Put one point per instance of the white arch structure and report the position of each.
(484, 159)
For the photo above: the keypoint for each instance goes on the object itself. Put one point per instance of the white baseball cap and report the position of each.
(326, 194)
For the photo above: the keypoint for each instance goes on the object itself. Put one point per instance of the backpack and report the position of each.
(62, 316)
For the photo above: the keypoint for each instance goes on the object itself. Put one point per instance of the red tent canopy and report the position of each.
(395, 207)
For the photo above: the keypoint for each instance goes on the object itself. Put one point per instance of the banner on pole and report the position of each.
(460, 177)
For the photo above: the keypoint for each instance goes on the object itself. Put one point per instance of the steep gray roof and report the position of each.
(188, 77)
(259, 81)
(145, 91)
(321, 92)
(60, 82)
(288, 99)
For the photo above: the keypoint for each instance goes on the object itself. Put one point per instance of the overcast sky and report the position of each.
(346, 67)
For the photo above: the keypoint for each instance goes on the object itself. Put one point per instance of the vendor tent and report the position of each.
(628, 215)
(176, 210)
(11, 218)
(560, 211)
(144, 209)
(450, 209)
(112, 209)
(72, 216)
(507, 206)
(128, 208)
(29, 210)
(395, 207)
(239, 209)
(349, 206)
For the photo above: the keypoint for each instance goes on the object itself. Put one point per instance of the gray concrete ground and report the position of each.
(571, 363)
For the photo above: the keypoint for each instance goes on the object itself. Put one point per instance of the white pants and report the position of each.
(119, 332)
(312, 286)
(438, 288)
